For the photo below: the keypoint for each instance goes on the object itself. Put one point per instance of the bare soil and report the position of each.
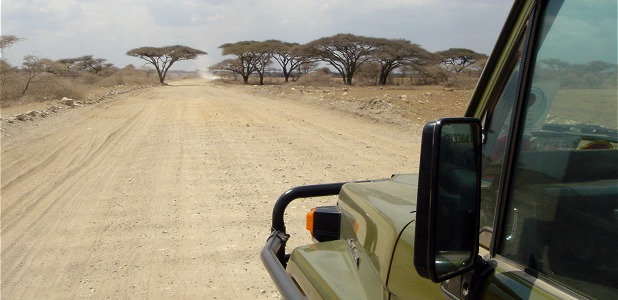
(166, 192)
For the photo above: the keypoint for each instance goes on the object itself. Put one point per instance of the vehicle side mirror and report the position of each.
(448, 204)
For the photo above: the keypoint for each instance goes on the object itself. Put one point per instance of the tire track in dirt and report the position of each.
(77, 164)
(49, 196)
(22, 177)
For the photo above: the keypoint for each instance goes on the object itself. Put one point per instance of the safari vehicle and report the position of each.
(518, 199)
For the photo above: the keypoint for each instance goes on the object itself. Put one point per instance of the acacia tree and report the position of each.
(251, 56)
(458, 59)
(555, 64)
(344, 52)
(305, 67)
(424, 74)
(289, 56)
(594, 74)
(244, 63)
(34, 66)
(86, 63)
(6, 41)
(263, 52)
(232, 65)
(162, 58)
(394, 53)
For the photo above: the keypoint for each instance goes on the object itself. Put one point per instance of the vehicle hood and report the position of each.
(375, 213)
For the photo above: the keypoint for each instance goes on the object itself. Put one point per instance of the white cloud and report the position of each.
(69, 28)
(216, 17)
(59, 9)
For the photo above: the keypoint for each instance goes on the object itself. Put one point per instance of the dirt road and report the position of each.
(166, 192)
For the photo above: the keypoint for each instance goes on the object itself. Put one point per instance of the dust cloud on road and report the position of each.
(167, 192)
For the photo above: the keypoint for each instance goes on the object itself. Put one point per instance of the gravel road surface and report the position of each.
(166, 192)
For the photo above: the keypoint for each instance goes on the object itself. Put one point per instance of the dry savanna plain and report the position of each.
(166, 192)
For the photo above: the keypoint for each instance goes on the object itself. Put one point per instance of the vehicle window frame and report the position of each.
(507, 55)
(516, 127)
(512, 73)
(530, 41)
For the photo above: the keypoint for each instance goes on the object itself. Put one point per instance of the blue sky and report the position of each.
(107, 29)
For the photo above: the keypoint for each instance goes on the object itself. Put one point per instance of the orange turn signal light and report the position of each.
(309, 221)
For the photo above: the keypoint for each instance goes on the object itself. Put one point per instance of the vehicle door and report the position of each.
(549, 208)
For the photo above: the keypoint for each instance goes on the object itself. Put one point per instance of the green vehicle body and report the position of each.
(538, 222)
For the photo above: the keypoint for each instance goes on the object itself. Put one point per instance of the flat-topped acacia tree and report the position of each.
(251, 56)
(459, 59)
(162, 58)
(344, 52)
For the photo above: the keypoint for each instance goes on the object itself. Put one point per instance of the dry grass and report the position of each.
(46, 87)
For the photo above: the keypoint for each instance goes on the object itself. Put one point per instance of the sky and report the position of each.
(57, 29)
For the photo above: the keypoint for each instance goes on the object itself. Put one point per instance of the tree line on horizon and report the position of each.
(346, 55)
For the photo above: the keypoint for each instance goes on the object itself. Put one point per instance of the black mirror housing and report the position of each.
(448, 203)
